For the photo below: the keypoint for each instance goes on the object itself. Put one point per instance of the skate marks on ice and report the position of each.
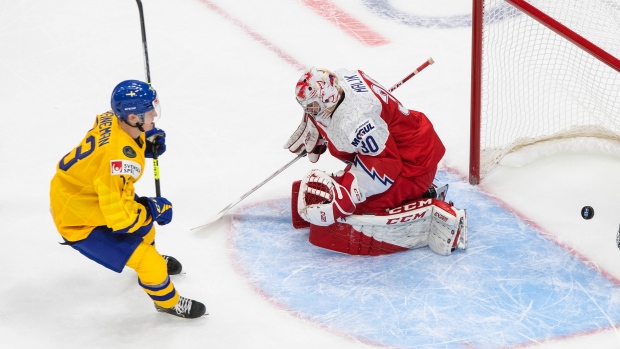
(511, 287)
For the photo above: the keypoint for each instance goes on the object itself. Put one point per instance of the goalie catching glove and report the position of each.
(307, 138)
(323, 200)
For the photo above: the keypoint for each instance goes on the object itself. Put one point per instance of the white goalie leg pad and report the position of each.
(405, 226)
(448, 229)
(413, 235)
(424, 222)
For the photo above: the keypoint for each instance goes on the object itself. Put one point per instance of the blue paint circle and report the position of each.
(384, 9)
(511, 286)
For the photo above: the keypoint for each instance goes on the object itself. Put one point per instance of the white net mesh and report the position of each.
(538, 86)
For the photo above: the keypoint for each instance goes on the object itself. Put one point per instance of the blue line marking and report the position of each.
(512, 286)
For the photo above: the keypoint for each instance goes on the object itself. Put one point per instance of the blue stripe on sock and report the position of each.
(155, 288)
(165, 297)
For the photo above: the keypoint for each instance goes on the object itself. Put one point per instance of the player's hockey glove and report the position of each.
(323, 200)
(155, 139)
(160, 209)
(307, 138)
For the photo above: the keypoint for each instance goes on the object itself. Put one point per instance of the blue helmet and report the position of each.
(133, 97)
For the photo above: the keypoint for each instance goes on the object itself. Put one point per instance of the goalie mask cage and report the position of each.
(542, 71)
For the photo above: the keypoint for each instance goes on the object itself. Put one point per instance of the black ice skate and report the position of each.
(174, 266)
(185, 308)
(435, 192)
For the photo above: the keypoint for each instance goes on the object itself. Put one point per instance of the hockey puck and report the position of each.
(587, 212)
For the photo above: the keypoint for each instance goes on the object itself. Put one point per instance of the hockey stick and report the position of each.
(232, 204)
(415, 72)
(148, 81)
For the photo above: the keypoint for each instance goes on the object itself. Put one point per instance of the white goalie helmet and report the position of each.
(317, 92)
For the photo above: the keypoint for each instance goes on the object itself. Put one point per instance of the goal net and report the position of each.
(543, 71)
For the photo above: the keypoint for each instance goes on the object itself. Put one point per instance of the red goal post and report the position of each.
(543, 71)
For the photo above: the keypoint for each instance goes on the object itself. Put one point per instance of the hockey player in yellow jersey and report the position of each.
(94, 204)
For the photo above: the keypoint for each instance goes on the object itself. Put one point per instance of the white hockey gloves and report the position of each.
(323, 200)
(307, 138)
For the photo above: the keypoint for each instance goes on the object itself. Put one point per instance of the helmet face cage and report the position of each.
(134, 97)
(317, 92)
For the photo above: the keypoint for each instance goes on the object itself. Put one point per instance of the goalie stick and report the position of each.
(232, 204)
(415, 72)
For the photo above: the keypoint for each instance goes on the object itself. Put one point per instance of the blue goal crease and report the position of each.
(512, 286)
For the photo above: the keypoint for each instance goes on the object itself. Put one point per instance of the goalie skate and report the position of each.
(436, 192)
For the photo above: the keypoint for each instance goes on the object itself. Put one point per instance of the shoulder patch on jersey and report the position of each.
(123, 167)
(129, 152)
(361, 131)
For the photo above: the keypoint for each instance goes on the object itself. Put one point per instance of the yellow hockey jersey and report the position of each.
(94, 183)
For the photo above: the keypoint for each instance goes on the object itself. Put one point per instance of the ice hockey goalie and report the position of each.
(371, 207)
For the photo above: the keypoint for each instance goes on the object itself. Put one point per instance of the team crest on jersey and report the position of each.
(125, 167)
(366, 128)
(129, 152)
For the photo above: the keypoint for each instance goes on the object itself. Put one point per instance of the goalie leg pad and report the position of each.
(400, 229)
(448, 229)
(344, 238)
(416, 224)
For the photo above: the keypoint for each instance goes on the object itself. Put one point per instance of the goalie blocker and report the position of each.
(424, 222)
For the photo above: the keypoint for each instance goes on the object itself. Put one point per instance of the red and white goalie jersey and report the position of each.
(393, 151)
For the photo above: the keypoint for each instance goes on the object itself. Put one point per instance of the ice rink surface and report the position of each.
(536, 275)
